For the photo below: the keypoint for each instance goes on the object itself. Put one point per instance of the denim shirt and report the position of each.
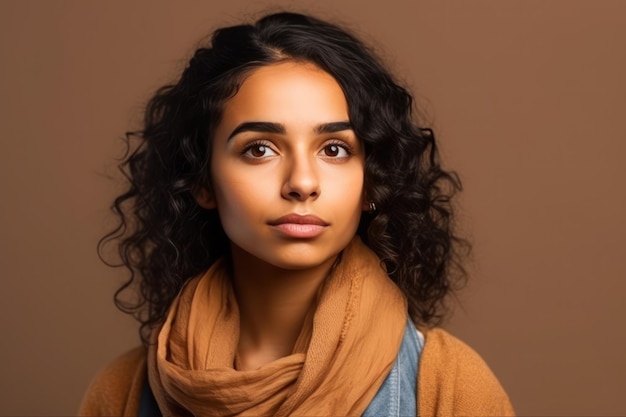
(395, 398)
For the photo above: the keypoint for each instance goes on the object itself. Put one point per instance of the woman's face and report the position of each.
(287, 168)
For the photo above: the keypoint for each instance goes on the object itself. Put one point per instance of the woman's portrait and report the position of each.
(313, 210)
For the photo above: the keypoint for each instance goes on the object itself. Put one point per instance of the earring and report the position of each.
(372, 206)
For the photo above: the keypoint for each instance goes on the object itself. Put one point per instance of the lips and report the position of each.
(299, 227)
(299, 219)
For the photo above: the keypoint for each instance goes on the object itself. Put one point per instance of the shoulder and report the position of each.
(116, 389)
(455, 380)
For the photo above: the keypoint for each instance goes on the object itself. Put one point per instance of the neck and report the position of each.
(274, 305)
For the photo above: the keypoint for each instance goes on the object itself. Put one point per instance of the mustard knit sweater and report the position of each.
(453, 380)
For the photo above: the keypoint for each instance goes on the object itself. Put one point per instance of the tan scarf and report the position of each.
(356, 333)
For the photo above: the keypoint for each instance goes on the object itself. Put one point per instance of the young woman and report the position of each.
(288, 227)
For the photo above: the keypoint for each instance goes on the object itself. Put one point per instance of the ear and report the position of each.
(365, 201)
(205, 198)
(365, 205)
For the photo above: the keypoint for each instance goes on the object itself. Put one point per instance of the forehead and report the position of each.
(287, 93)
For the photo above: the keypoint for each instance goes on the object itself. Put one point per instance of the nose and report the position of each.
(301, 179)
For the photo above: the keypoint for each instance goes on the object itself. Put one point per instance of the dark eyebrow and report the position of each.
(269, 127)
(333, 127)
(263, 127)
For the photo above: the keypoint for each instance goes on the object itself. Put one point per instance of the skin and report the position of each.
(302, 159)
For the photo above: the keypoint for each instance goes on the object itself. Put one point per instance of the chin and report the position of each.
(301, 262)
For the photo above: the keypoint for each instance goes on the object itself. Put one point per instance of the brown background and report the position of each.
(527, 97)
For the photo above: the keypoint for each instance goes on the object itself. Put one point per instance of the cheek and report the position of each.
(346, 188)
(234, 198)
(240, 198)
(350, 181)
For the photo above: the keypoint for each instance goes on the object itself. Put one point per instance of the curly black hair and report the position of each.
(165, 238)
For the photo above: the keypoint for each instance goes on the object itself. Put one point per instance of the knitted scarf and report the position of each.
(356, 332)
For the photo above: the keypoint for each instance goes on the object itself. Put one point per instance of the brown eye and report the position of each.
(258, 150)
(331, 150)
(335, 151)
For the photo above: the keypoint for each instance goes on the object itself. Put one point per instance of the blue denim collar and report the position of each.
(397, 396)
